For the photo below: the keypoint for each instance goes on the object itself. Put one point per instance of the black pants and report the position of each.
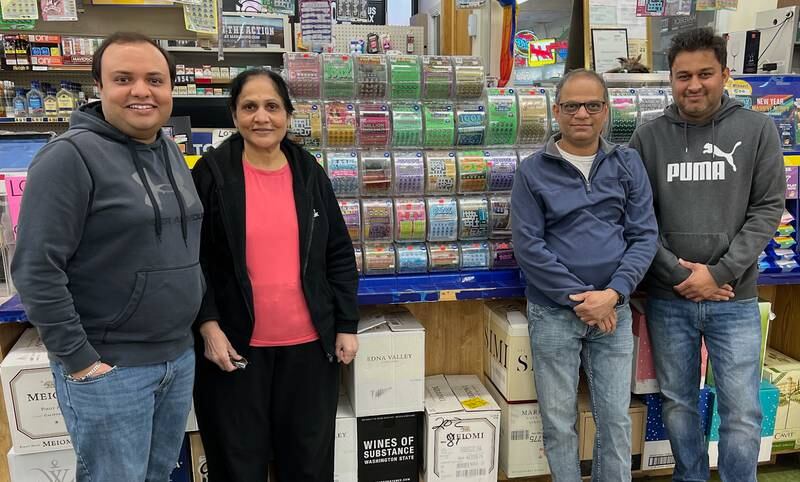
(281, 408)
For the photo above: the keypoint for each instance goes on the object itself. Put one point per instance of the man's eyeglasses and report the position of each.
(572, 108)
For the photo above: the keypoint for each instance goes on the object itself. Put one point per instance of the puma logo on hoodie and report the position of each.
(703, 170)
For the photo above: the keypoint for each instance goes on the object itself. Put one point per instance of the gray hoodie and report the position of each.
(718, 192)
(107, 247)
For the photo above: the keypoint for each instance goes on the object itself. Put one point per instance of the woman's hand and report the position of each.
(218, 349)
(346, 347)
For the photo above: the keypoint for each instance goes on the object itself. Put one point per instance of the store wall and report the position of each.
(398, 12)
(744, 17)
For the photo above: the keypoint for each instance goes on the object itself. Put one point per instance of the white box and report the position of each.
(345, 463)
(764, 451)
(35, 420)
(388, 375)
(58, 465)
(462, 430)
(509, 351)
(521, 437)
(656, 455)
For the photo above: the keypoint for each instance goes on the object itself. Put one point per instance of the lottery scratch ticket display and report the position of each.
(443, 256)
(320, 158)
(534, 117)
(338, 76)
(377, 220)
(412, 258)
(374, 125)
(439, 124)
(473, 218)
(442, 218)
(470, 77)
(340, 124)
(371, 76)
(623, 113)
(500, 216)
(303, 74)
(409, 173)
(406, 74)
(440, 172)
(351, 212)
(501, 255)
(410, 220)
(502, 166)
(376, 173)
(474, 255)
(501, 106)
(379, 258)
(472, 171)
(470, 123)
(652, 103)
(525, 153)
(343, 172)
(407, 124)
(359, 257)
(438, 78)
(554, 127)
(305, 126)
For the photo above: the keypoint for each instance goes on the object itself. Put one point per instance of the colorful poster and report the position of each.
(201, 18)
(15, 185)
(19, 9)
(59, 10)
(717, 5)
(315, 24)
(253, 32)
(651, 8)
(15, 24)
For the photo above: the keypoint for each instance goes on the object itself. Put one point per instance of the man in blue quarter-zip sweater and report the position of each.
(584, 234)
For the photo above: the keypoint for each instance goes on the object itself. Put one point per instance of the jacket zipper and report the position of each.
(586, 182)
(229, 235)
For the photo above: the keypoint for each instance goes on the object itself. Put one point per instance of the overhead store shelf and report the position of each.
(33, 120)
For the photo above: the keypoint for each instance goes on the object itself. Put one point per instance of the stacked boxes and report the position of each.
(587, 430)
(784, 373)
(345, 462)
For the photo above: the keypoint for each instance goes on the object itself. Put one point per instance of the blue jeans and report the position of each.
(732, 332)
(560, 342)
(128, 424)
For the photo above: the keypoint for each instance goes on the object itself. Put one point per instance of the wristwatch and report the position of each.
(620, 298)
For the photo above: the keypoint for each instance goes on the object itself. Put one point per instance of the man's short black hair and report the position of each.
(128, 38)
(698, 39)
(280, 86)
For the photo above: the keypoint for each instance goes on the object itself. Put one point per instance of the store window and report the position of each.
(541, 42)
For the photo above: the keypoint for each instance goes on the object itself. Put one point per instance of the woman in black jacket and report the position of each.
(280, 309)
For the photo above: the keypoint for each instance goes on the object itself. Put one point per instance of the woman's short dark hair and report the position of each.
(698, 39)
(128, 38)
(280, 86)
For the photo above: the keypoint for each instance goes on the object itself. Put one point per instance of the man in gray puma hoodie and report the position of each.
(718, 189)
(107, 268)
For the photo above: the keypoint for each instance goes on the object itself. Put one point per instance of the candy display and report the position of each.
(409, 173)
(303, 75)
(473, 218)
(305, 126)
(377, 220)
(379, 258)
(376, 173)
(338, 76)
(410, 220)
(351, 212)
(499, 216)
(502, 166)
(470, 77)
(474, 255)
(407, 125)
(405, 74)
(438, 78)
(534, 117)
(470, 123)
(412, 258)
(370, 76)
(440, 169)
(501, 255)
(473, 171)
(442, 219)
(439, 125)
(374, 125)
(343, 172)
(502, 121)
(622, 116)
(340, 124)
(443, 256)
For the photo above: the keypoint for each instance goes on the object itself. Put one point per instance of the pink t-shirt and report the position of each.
(273, 259)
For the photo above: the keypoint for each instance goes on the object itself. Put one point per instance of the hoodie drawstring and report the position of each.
(713, 137)
(685, 138)
(140, 171)
(178, 195)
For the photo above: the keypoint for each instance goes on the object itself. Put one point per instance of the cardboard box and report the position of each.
(657, 453)
(29, 391)
(198, 458)
(9, 334)
(784, 372)
(765, 308)
(510, 364)
(521, 437)
(643, 374)
(388, 376)
(191, 421)
(345, 463)
(389, 447)
(587, 430)
(462, 430)
(769, 395)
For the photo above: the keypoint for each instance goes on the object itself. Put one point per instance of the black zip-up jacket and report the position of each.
(327, 260)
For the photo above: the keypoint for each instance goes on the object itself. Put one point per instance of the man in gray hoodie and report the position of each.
(718, 188)
(107, 268)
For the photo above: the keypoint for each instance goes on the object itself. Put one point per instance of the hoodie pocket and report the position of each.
(705, 248)
(162, 306)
